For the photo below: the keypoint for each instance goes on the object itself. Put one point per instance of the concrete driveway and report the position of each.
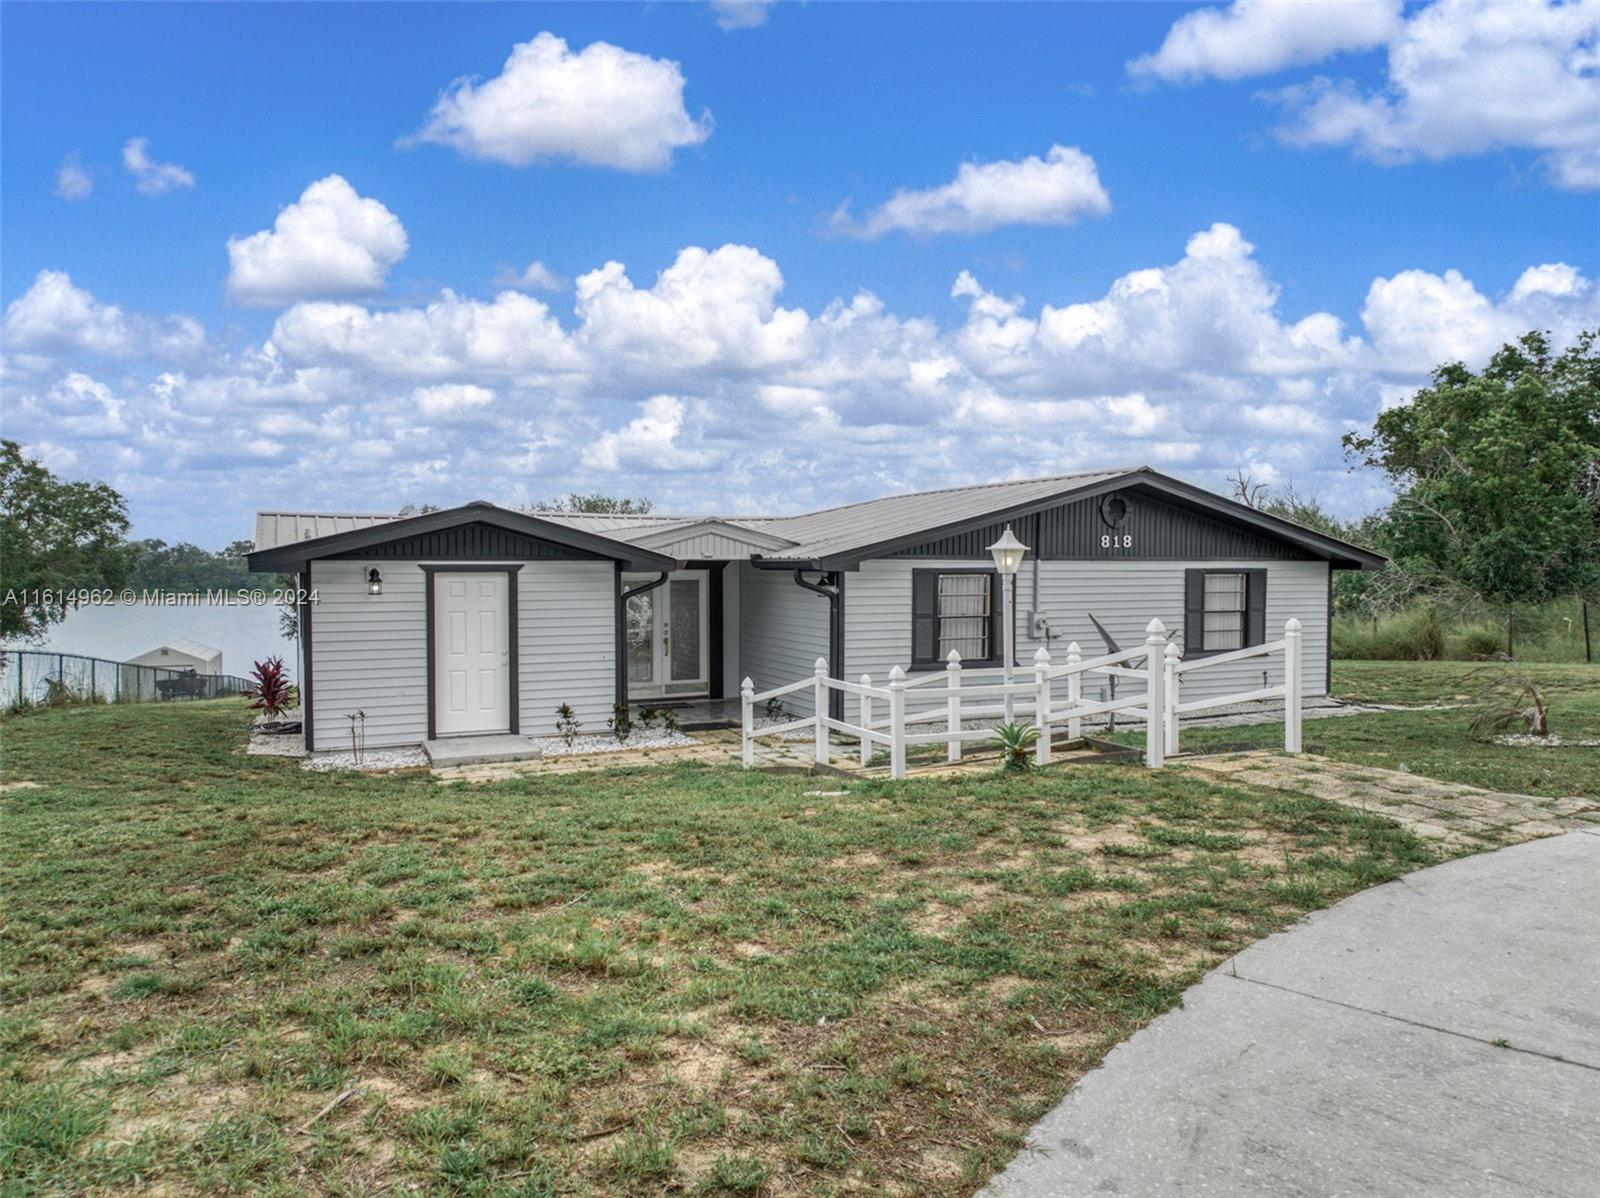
(1439, 1035)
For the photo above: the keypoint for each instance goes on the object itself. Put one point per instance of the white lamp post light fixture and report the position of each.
(1007, 553)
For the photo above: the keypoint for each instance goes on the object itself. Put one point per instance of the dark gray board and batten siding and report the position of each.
(469, 542)
(1159, 528)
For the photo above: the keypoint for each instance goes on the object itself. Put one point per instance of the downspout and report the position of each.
(833, 592)
(622, 622)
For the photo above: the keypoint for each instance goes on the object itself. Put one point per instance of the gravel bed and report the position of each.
(262, 745)
(1523, 740)
(554, 746)
(373, 760)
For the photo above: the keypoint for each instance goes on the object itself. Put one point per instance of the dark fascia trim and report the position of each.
(1340, 554)
(306, 713)
(294, 556)
(510, 570)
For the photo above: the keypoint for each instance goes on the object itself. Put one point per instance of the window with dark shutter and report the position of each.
(954, 609)
(1223, 610)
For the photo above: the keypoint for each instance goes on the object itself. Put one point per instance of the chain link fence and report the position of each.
(31, 677)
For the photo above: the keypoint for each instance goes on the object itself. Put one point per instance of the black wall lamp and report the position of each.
(374, 582)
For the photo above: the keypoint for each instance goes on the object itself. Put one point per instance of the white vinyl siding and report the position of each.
(1123, 596)
(369, 652)
(567, 629)
(783, 629)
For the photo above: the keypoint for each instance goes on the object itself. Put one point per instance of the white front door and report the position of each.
(668, 636)
(471, 653)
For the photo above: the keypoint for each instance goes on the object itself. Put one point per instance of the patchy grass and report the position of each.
(1574, 686)
(1436, 743)
(665, 980)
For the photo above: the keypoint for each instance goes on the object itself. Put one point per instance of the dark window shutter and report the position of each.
(924, 610)
(997, 627)
(1255, 599)
(1194, 611)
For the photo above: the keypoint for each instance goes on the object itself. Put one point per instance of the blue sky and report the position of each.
(1225, 265)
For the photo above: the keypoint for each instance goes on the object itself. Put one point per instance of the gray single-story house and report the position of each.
(482, 620)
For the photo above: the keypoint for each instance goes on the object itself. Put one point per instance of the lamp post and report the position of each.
(1007, 553)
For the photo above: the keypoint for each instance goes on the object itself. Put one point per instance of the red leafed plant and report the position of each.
(272, 695)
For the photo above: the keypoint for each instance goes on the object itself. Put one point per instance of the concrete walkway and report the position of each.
(1452, 813)
(1439, 1035)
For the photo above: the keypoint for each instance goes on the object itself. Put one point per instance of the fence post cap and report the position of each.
(897, 676)
(952, 658)
(820, 665)
(1041, 656)
(1156, 628)
(1172, 651)
(748, 686)
(1292, 626)
(1073, 650)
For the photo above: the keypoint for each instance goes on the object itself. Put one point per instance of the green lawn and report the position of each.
(1437, 744)
(674, 980)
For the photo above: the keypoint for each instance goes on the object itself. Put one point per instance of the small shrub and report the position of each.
(271, 695)
(669, 721)
(649, 718)
(567, 724)
(620, 724)
(772, 709)
(1015, 741)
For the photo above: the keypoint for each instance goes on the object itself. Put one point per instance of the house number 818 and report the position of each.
(1117, 540)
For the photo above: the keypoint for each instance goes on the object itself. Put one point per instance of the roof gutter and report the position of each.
(833, 592)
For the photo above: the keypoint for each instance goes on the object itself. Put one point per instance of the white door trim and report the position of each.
(472, 662)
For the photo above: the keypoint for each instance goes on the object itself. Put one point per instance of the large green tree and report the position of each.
(185, 567)
(55, 537)
(1497, 473)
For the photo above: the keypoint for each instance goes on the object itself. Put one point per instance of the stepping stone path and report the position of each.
(1451, 813)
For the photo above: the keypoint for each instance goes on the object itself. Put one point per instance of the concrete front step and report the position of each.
(479, 750)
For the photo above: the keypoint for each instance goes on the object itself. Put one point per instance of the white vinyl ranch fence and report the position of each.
(1052, 695)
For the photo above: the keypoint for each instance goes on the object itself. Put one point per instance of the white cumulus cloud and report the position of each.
(150, 177)
(602, 106)
(1463, 76)
(1054, 190)
(709, 310)
(1466, 77)
(72, 181)
(1258, 37)
(699, 388)
(536, 276)
(740, 14)
(330, 243)
(449, 399)
(648, 441)
(55, 316)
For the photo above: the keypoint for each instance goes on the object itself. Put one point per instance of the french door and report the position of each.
(668, 638)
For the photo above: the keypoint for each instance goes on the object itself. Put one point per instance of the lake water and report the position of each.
(245, 634)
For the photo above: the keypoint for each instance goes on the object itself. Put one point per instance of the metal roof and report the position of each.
(282, 528)
(192, 648)
(872, 521)
(844, 534)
